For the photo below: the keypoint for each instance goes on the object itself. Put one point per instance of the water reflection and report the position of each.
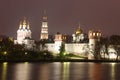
(22, 71)
(43, 71)
(112, 71)
(56, 70)
(4, 71)
(65, 70)
(59, 71)
(79, 71)
(96, 71)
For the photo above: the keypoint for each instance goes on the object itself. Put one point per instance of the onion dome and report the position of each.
(20, 26)
(79, 30)
(28, 27)
(24, 21)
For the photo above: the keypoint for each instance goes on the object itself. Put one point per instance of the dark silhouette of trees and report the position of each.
(117, 49)
(114, 40)
(104, 45)
(97, 50)
(62, 50)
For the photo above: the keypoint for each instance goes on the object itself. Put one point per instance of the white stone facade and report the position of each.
(76, 48)
(24, 35)
(72, 48)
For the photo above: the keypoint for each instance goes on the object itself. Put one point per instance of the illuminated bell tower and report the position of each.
(44, 28)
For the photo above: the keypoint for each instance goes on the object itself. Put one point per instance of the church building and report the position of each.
(79, 35)
(24, 35)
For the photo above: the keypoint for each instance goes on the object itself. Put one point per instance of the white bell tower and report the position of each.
(44, 28)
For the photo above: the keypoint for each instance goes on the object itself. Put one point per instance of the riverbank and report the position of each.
(62, 60)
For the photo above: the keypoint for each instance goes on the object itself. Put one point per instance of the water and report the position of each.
(60, 71)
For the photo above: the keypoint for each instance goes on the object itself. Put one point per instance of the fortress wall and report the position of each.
(79, 48)
(74, 48)
(50, 47)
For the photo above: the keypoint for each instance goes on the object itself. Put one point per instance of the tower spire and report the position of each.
(20, 26)
(79, 30)
(45, 17)
(44, 12)
(24, 23)
(28, 25)
(79, 25)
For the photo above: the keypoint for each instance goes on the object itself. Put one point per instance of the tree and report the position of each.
(117, 49)
(97, 50)
(42, 44)
(6, 44)
(62, 50)
(114, 40)
(104, 45)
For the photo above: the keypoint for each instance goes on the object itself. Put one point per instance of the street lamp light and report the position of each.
(26, 53)
(5, 52)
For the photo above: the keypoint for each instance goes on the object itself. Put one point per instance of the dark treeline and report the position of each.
(112, 40)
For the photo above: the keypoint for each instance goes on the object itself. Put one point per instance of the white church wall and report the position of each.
(74, 48)
(50, 47)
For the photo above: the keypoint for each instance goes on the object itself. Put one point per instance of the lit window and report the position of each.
(97, 34)
(93, 34)
(90, 34)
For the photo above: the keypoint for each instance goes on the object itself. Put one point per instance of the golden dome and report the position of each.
(24, 21)
(20, 26)
(79, 31)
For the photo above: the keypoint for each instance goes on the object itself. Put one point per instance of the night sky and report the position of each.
(63, 16)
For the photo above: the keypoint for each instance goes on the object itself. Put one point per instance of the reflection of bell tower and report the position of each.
(44, 28)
